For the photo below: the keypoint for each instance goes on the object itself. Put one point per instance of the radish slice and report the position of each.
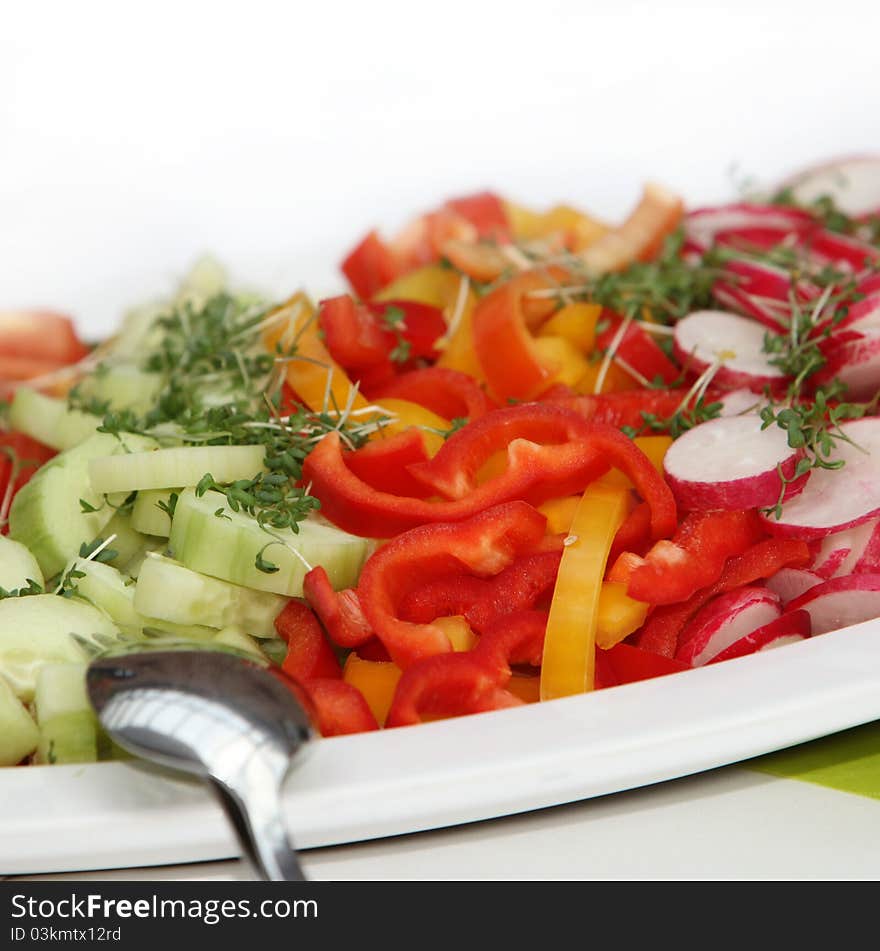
(788, 629)
(869, 560)
(852, 182)
(707, 336)
(769, 313)
(835, 499)
(841, 251)
(702, 225)
(840, 554)
(791, 583)
(731, 463)
(724, 620)
(854, 359)
(840, 602)
(863, 314)
(738, 402)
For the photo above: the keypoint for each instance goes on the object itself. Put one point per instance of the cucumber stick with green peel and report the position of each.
(67, 723)
(19, 735)
(166, 468)
(148, 517)
(18, 567)
(208, 537)
(49, 420)
(45, 628)
(48, 514)
(167, 589)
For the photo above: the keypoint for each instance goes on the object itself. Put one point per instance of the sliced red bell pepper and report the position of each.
(634, 535)
(339, 611)
(486, 212)
(673, 570)
(449, 393)
(661, 631)
(308, 653)
(630, 663)
(574, 452)
(419, 324)
(483, 546)
(373, 650)
(383, 463)
(20, 457)
(370, 266)
(627, 408)
(446, 685)
(340, 708)
(516, 638)
(355, 339)
(637, 349)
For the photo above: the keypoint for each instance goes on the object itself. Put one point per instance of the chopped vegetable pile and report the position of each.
(528, 455)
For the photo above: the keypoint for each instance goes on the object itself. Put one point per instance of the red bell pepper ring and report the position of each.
(446, 685)
(637, 349)
(449, 393)
(627, 408)
(578, 452)
(370, 266)
(661, 631)
(482, 546)
(419, 324)
(340, 612)
(383, 463)
(634, 535)
(516, 638)
(486, 212)
(308, 653)
(339, 707)
(673, 570)
(482, 601)
(557, 451)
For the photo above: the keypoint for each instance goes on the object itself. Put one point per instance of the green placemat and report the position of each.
(848, 761)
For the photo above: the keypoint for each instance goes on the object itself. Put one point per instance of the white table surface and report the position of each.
(732, 824)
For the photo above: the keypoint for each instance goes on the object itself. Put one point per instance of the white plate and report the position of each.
(113, 815)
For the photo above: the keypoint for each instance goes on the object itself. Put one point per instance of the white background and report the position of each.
(133, 137)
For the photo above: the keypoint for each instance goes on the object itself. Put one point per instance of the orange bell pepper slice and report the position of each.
(569, 660)
(376, 680)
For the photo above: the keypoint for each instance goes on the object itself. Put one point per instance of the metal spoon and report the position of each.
(219, 716)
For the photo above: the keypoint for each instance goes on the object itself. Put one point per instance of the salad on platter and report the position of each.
(528, 455)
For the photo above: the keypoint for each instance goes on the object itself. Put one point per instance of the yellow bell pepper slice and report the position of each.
(569, 660)
(560, 513)
(616, 380)
(619, 614)
(312, 373)
(654, 447)
(562, 358)
(376, 680)
(459, 632)
(405, 414)
(525, 223)
(525, 686)
(437, 286)
(576, 323)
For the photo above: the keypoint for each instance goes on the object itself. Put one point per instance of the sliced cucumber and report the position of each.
(18, 567)
(46, 514)
(166, 468)
(128, 543)
(147, 517)
(18, 732)
(111, 591)
(49, 421)
(235, 637)
(228, 546)
(123, 386)
(67, 723)
(40, 629)
(167, 589)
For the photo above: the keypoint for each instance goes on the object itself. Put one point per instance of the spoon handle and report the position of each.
(260, 830)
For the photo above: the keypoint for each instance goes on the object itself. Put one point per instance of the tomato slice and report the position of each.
(38, 335)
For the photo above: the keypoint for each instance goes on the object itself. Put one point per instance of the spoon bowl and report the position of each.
(221, 716)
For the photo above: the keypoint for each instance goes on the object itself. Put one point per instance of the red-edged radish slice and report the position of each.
(702, 225)
(791, 583)
(840, 554)
(841, 251)
(707, 336)
(869, 560)
(835, 499)
(863, 314)
(763, 280)
(852, 182)
(787, 629)
(738, 402)
(853, 358)
(772, 314)
(840, 602)
(731, 463)
(724, 620)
